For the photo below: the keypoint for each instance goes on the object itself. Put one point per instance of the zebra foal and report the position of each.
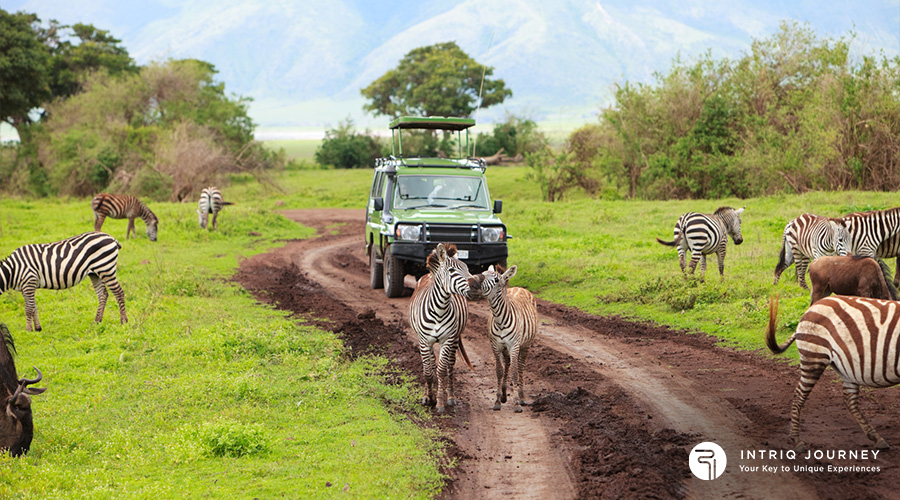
(63, 264)
(120, 206)
(805, 239)
(514, 325)
(438, 313)
(703, 234)
(211, 202)
(858, 336)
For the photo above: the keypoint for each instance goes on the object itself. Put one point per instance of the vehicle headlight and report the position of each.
(491, 234)
(408, 232)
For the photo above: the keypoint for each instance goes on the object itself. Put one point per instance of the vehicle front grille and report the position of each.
(440, 233)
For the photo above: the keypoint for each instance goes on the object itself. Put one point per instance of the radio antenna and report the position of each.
(480, 90)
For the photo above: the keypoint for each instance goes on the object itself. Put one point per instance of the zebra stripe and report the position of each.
(869, 230)
(858, 336)
(513, 328)
(63, 264)
(807, 238)
(703, 234)
(120, 206)
(438, 314)
(890, 248)
(211, 202)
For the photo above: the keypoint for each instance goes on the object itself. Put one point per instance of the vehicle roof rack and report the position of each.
(432, 123)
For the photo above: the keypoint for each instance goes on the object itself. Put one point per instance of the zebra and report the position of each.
(120, 206)
(513, 328)
(890, 248)
(63, 264)
(210, 203)
(807, 238)
(438, 313)
(858, 337)
(704, 234)
(869, 230)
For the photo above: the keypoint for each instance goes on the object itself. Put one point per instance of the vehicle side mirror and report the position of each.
(378, 204)
(498, 206)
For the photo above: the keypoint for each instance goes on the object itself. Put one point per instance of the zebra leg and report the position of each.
(501, 383)
(721, 258)
(446, 358)
(897, 273)
(516, 377)
(428, 370)
(702, 268)
(98, 221)
(31, 317)
(102, 296)
(215, 223)
(523, 355)
(130, 232)
(809, 375)
(119, 294)
(681, 258)
(451, 392)
(802, 265)
(851, 401)
(695, 258)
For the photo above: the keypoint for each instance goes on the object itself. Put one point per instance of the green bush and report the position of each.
(226, 438)
(343, 147)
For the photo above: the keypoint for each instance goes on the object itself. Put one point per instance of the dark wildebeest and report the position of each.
(851, 275)
(16, 424)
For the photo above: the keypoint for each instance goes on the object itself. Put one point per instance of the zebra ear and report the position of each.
(510, 273)
(740, 210)
(440, 252)
(491, 269)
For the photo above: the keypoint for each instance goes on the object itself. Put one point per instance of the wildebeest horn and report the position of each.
(25, 381)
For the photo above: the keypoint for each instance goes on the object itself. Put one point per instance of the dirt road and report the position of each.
(618, 405)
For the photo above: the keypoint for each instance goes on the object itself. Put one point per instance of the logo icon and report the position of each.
(707, 461)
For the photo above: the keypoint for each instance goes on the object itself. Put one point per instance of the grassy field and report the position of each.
(204, 393)
(296, 149)
(602, 256)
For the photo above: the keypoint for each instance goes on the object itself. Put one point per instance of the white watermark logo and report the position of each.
(707, 461)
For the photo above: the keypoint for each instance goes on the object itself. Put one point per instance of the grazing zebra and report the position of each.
(121, 206)
(513, 328)
(869, 230)
(63, 264)
(807, 238)
(438, 314)
(704, 234)
(858, 337)
(210, 203)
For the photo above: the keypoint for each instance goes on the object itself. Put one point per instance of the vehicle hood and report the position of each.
(459, 216)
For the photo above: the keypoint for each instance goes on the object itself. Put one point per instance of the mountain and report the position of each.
(304, 62)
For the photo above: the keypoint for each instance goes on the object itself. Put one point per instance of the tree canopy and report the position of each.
(24, 67)
(437, 80)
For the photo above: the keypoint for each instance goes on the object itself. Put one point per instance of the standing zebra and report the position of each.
(120, 206)
(438, 314)
(889, 248)
(807, 238)
(869, 230)
(63, 264)
(210, 203)
(858, 337)
(703, 234)
(513, 328)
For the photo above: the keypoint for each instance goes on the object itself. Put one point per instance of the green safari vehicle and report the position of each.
(418, 201)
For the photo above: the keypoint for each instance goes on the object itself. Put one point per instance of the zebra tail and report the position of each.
(228, 203)
(462, 350)
(670, 243)
(770, 330)
(785, 259)
(888, 280)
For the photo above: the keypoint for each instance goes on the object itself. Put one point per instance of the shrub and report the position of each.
(343, 147)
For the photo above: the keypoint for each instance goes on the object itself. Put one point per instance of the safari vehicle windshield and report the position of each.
(436, 191)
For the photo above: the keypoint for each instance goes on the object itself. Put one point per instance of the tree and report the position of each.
(343, 147)
(24, 68)
(438, 80)
(95, 49)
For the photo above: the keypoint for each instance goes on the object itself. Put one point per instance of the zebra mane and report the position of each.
(722, 210)
(451, 250)
(7, 339)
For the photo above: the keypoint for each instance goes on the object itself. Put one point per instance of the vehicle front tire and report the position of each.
(393, 274)
(376, 271)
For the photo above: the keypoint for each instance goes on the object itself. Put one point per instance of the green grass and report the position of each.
(204, 393)
(297, 149)
(602, 256)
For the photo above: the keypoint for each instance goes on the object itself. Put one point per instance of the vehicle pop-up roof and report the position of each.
(457, 125)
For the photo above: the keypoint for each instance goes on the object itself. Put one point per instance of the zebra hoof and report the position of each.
(882, 444)
(801, 447)
(451, 402)
(426, 401)
(518, 409)
(503, 398)
(496, 407)
(440, 410)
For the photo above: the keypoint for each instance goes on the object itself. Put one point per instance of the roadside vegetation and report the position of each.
(204, 392)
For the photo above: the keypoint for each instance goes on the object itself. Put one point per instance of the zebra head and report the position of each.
(732, 219)
(151, 229)
(447, 275)
(494, 281)
(840, 237)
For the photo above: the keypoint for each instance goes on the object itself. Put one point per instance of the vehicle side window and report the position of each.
(377, 185)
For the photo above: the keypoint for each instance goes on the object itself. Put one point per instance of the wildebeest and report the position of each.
(16, 424)
(851, 275)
